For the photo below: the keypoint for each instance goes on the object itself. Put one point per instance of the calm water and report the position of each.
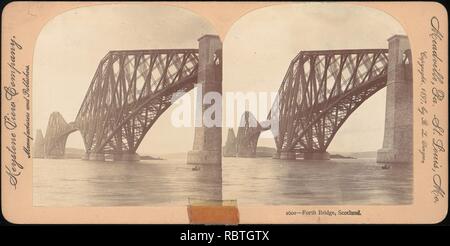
(250, 181)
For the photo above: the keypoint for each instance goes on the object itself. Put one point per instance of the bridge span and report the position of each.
(321, 89)
(129, 91)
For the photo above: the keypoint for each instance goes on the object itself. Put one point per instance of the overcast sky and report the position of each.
(257, 51)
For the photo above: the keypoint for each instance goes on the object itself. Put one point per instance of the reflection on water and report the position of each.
(250, 181)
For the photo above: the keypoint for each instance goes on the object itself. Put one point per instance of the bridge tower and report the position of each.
(229, 150)
(39, 143)
(207, 148)
(247, 135)
(398, 140)
(56, 136)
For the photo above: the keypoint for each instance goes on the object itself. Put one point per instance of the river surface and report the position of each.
(71, 182)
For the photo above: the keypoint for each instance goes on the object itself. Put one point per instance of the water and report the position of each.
(70, 182)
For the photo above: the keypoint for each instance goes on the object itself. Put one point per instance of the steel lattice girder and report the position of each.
(56, 135)
(247, 135)
(128, 93)
(319, 92)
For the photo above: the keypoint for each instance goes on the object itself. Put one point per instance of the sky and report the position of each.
(257, 51)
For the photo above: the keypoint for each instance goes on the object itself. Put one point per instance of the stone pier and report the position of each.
(207, 148)
(287, 155)
(93, 157)
(111, 157)
(126, 157)
(398, 140)
(276, 155)
(316, 156)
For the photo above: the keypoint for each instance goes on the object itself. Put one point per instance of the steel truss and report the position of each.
(320, 91)
(56, 135)
(247, 135)
(128, 93)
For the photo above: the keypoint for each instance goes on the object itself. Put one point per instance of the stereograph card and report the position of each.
(224, 113)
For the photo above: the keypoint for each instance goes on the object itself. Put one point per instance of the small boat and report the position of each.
(196, 168)
(385, 166)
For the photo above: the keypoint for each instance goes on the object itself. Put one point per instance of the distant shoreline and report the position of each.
(261, 152)
(75, 153)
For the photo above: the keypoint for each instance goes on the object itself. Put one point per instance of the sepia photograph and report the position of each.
(222, 113)
(342, 133)
(339, 130)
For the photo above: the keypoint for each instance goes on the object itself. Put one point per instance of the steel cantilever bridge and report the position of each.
(318, 93)
(128, 92)
(320, 90)
(131, 89)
